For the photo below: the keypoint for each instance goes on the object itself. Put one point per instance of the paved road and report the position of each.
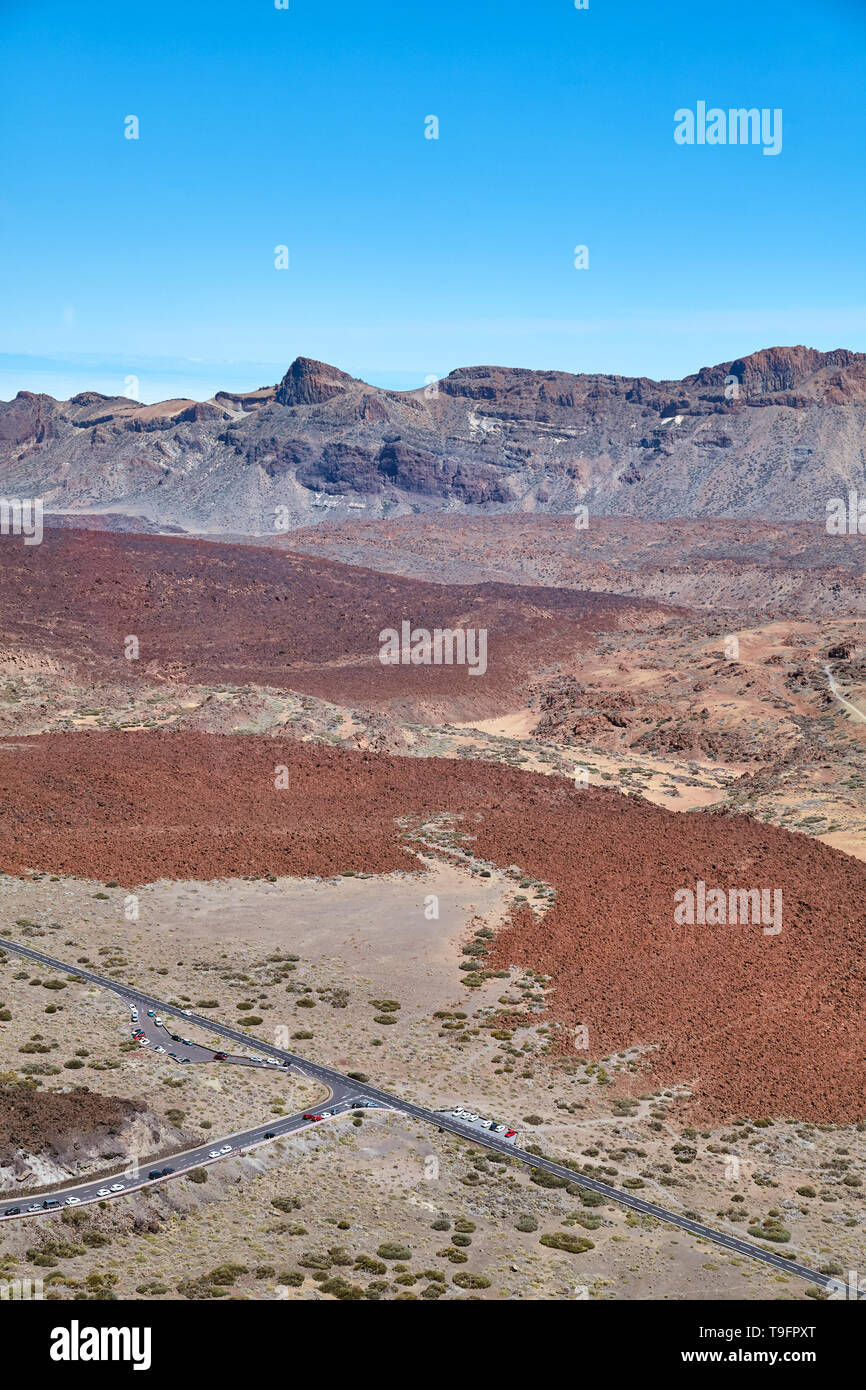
(344, 1086)
(161, 1170)
(160, 1038)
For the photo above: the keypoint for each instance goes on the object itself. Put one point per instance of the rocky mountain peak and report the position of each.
(308, 382)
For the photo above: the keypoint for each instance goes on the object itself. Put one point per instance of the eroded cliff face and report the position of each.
(774, 434)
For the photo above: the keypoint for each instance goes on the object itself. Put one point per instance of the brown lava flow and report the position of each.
(756, 1024)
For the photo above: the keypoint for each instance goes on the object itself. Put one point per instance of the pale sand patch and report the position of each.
(517, 725)
(687, 800)
(374, 927)
(848, 841)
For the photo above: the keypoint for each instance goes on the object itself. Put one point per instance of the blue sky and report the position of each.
(409, 257)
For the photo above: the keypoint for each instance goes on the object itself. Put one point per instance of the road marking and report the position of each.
(485, 1139)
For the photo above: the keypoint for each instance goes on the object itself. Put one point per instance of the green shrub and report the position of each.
(285, 1203)
(542, 1178)
(464, 1280)
(575, 1245)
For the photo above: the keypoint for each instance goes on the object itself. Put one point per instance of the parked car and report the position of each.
(308, 1115)
(104, 1192)
(154, 1173)
(70, 1202)
(117, 1187)
(219, 1056)
(269, 1134)
(12, 1211)
(51, 1202)
(214, 1153)
(226, 1149)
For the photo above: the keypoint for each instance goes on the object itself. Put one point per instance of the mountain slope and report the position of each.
(774, 434)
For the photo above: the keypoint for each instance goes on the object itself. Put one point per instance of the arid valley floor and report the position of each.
(459, 887)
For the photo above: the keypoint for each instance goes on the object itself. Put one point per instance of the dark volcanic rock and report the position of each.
(774, 434)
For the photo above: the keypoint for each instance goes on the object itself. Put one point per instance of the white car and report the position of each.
(160, 1049)
(135, 1015)
(158, 1021)
(104, 1192)
(214, 1153)
(117, 1187)
(73, 1201)
(226, 1149)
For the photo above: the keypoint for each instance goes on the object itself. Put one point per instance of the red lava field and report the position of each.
(756, 1024)
(247, 614)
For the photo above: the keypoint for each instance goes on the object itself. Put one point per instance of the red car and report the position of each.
(308, 1115)
(219, 1056)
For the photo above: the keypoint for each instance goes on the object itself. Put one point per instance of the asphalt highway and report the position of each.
(346, 1093)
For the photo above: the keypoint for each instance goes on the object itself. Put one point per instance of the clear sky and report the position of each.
(408, 256)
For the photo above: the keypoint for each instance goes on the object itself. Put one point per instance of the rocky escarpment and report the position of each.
(55, 1133)
(772, 434)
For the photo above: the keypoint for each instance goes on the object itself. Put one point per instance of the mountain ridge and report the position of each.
(771, 434)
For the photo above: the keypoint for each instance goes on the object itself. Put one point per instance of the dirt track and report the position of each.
(757, 1024)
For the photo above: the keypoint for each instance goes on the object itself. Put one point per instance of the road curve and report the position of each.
(344, 1085)
(857, 714)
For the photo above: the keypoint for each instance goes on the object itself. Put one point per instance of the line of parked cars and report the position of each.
(469, 1117)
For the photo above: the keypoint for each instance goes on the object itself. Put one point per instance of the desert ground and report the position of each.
(459, 887)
